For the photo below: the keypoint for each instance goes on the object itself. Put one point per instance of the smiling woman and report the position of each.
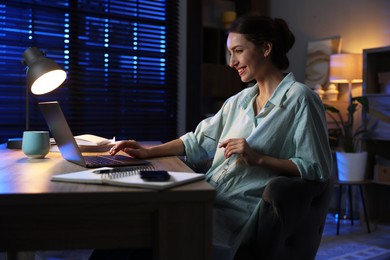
(277, 127)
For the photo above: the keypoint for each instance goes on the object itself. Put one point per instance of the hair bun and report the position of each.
(287, 36)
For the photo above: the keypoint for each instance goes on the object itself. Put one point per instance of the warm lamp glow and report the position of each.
(48, 82)
(346, 68)
(43, 74)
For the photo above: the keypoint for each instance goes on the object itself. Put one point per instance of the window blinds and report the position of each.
(120, 58)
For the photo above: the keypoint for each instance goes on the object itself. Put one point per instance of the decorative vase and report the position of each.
(351, 166)
(331, 93)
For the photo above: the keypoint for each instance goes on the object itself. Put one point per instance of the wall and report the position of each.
(361, 24)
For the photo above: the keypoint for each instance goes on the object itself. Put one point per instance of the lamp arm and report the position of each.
(27, 109)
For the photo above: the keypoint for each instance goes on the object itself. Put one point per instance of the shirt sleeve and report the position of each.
(201, 145)
(313, 156)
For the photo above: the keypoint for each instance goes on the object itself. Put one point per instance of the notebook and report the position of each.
(68, 147)
(127, 178)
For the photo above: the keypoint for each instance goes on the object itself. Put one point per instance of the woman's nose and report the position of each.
(232, 61)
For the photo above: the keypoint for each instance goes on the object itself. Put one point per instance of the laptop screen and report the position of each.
(68, 147)
(61, 132)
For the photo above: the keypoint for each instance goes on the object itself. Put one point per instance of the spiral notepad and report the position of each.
(116, 173)
(128, 177)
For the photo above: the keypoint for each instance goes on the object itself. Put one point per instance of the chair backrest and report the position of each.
(291, 220)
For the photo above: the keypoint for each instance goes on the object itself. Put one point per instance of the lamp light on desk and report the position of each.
(43, 75)
(346, 68)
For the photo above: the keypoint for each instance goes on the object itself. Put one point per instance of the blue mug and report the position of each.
(36, 144)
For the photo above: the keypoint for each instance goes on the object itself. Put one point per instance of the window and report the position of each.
(120, 58)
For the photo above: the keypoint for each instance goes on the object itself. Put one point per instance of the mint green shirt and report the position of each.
(291, 126)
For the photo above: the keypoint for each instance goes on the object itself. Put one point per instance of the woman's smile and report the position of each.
(241, 70)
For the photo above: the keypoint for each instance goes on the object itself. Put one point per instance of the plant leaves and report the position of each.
(363, 100)
(348, 138)
(331, 108)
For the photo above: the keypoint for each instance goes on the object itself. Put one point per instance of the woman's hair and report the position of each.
(261, 29)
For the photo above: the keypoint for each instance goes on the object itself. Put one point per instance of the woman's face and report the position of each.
(245, 57)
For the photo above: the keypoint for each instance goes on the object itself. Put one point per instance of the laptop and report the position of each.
(68, 147)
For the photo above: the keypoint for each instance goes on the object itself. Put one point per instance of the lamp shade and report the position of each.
(345, 68)
(43, 74)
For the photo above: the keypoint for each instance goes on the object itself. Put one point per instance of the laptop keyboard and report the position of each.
(108, 160)
(98, 160)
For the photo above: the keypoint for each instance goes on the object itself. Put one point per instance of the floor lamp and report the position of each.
(43, 75)
(346, 68)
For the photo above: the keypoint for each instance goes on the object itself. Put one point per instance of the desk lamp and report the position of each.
(43, 76)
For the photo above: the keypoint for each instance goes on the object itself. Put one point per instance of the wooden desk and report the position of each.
(37, 214)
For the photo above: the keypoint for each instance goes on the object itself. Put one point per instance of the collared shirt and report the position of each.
(291, 125)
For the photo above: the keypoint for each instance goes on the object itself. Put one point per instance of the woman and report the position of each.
(276, 127)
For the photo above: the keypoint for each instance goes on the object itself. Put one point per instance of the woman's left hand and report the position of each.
(241, 147)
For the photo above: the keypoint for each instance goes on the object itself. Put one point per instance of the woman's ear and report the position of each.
(267, 49)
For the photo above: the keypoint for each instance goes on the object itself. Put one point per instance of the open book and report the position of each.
(91, 140)
(90, 143)
(128, 177)
(94, 143)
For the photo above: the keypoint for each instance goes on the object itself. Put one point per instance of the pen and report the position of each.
(116, 170)
(123, 169)
(103, 171)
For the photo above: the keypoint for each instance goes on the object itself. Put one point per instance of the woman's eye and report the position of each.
(238, 51)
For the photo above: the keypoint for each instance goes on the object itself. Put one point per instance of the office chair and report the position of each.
(291, 220)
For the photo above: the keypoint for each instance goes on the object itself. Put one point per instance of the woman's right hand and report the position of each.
(131, 147)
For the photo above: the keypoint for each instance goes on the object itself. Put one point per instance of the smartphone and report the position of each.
(155, 175)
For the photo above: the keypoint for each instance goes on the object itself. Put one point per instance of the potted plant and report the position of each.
(351, 161)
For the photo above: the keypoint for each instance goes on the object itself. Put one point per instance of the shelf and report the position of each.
(375, 60)
(214, 42)
(381, 182)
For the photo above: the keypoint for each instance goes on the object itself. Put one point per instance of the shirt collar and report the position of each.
(277, 97)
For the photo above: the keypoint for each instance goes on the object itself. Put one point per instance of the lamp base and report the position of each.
(14, 143)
